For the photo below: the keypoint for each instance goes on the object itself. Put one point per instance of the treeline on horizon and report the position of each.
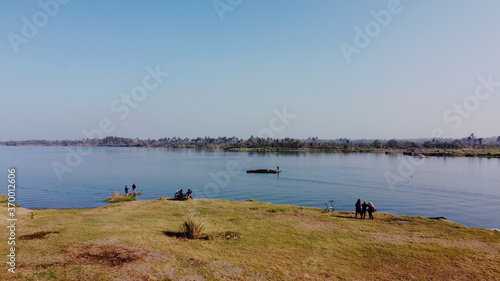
(234, 143)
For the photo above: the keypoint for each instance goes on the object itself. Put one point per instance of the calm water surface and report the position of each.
(464, 190)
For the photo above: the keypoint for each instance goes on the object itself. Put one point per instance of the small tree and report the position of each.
(392, 144)
(377, 144)
(471, 139)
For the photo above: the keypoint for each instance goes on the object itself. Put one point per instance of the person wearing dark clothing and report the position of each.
(133, 188)
(371, 209)
(358, 208)
(126, 190)
(188, 194)
(363, 209)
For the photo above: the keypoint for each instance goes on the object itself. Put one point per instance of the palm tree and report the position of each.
(471, 139)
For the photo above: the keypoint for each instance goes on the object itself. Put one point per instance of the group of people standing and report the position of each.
(362, 208)
(133, 189)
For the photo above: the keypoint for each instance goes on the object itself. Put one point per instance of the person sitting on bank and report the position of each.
(188, 194)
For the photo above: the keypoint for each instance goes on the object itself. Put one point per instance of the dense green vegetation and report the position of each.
(270, 144)
(470, 146)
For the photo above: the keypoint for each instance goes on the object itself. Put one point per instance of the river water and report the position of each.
(464, 190)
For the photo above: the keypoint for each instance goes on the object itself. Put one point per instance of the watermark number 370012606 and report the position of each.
(11, 220)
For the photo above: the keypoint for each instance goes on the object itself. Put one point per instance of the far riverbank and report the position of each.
(488, 152)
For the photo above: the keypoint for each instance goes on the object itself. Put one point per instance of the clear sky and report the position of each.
(232, 64)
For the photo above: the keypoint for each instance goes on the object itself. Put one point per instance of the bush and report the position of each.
(192, 229)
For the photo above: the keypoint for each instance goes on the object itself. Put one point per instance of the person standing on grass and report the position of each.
(358, 208)
(363, 209)
(126, 190)
(371, 209)
(133, 188)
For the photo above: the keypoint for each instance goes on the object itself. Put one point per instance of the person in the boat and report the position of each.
(277, 168)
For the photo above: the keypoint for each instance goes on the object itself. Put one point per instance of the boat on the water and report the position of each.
(264, 171)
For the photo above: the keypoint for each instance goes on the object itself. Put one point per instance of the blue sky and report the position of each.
(230, 72)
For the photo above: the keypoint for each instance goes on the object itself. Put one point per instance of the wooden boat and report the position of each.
(264, 171)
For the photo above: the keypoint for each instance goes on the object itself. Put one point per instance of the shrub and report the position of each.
(192, 229)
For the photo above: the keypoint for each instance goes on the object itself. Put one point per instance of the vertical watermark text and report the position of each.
(12, 220)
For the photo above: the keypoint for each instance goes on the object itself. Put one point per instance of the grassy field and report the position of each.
(144, 240)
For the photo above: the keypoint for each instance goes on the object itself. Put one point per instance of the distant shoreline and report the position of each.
(489, 152)
(483, 153)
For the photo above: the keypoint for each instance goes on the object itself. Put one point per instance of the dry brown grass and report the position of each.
(192, 228)
(250, 240)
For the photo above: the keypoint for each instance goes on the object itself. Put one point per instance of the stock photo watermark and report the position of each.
(221, 179)
(223, 6)
(31, 26)
(122, 108)
(274, 126)
(463, 110)
(363, 36)
(454, 116)
(12, 220)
